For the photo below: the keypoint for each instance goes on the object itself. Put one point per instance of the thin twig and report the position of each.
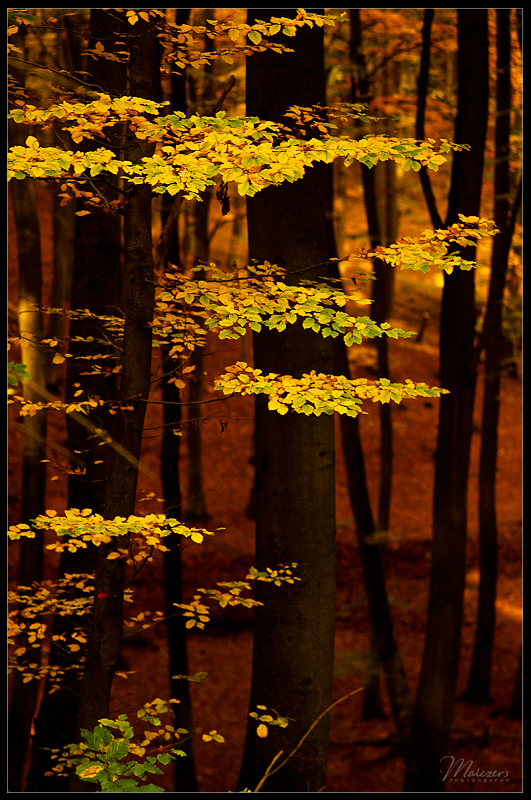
(269, 771)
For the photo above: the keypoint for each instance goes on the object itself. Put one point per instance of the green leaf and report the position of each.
(117, 749)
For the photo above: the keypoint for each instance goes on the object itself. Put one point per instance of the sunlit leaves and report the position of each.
(230, 303)
(267, 719)
(437, 248)
(79, 528)
(316, 394)
(116, 762)
(230, 594)
(193, 151)
(213, 736)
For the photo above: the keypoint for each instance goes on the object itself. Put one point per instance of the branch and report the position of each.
(422, 90)
(269, 771)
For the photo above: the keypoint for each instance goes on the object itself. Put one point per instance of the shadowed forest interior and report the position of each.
(265, 420)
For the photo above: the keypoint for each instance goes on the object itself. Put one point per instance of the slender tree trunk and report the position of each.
(96, 286)
(31, 330)
(382, 634)
(185, 780)
(184, 773)
(478, 689)
(380, 208)
(432, 716)
(422, 93)
(379, 191)
(295, 496)
(107, 615)
(196, 508)
(24, 695)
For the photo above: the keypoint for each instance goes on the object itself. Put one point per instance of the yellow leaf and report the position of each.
(112, 556)
(91, 771)
(51, 512)
(262, 731)
(82, 213)
(58, 359)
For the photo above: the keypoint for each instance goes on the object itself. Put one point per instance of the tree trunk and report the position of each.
(382, 636)
(478, 689)
(184, 772)
(95, 286)
(107, 615)
(422, 92)
(31, 331)
(382, 219)
(185, 780)
(196, 509)
(432, 716)
(295, 494)
(24, 695)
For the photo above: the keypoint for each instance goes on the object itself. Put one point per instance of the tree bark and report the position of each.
(196, 509)
(433, 709)
(422, 92)
(380, 208)
(295, 495)
(24, 695)
(31, 331)
(107, 615)
(478, 689)
(184, 773)
(382, 633)
(95, 285)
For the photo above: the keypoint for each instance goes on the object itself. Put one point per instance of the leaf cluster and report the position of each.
(254, 298)
(438, 248)
(115, 762)
(316, 394)
(266, 719)
(199, 614)
(192, 152)
(80, 528)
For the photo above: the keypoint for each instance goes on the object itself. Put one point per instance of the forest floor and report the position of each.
(361, 755)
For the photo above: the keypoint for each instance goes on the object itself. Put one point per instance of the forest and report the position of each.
(264, 400)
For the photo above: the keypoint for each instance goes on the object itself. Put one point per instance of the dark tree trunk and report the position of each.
(422, 92)
(295, 503)
(95, 286)
(24, 695)
(478, 689)
(382, 637)
(379, 193)
(107, 615)
(433, 709)
(196, 508)
(185, 780)
(184, 774)
(381, 223)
